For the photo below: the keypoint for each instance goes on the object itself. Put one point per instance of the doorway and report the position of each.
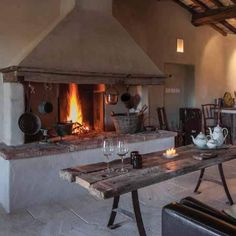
(179, 91)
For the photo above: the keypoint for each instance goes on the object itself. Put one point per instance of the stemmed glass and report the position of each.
(122, 150)
(108, 149)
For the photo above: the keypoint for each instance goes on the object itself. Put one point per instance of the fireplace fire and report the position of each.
(75, 114)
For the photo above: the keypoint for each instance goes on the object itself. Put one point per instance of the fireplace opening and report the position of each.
(76, 109)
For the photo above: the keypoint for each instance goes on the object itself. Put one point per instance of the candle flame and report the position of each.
(170, 152)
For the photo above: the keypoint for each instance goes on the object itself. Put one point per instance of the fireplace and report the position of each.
(76, 108)
(89, 48)
(55, 86)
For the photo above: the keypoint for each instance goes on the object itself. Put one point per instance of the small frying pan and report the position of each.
(29, 123)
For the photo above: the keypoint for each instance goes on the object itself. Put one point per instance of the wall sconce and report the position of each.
(180, 45)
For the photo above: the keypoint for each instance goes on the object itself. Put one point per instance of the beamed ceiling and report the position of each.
(218, 14)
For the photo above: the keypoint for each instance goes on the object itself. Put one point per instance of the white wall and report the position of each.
(156, 25)
(13, 107)
(1, 106)
(23, 23)
(5, 184)
(230, 63)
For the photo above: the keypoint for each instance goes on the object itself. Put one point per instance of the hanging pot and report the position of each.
(29, 123)
(127, 99)
(45, 107)
(111, 96)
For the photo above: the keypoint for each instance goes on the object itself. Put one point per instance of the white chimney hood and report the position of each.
(90, 43)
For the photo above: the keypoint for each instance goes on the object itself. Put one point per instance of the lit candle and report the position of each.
(170, 152)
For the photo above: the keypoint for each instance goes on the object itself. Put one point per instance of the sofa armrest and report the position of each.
(197, 205)
(178, 219)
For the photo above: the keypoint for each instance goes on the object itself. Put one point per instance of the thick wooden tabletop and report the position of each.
(155, 169)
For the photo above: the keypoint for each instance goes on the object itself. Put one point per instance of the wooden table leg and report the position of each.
(137, 212)
(221, 171)
(113, 213)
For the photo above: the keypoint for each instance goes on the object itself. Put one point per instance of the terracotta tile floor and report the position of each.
(88, 217)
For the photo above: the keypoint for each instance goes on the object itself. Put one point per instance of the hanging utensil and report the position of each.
(46, 107)
(143, 109)
(29, 123)
(111, 96)
(127, 99)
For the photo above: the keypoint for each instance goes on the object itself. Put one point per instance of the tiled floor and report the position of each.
(88, 217)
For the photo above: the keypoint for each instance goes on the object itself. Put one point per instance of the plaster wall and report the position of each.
(230, 75)
(23, 26)
(1, 106)
(12, 108)
(5, 184)
(155, 25)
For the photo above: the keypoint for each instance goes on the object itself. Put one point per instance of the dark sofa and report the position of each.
(191, 217)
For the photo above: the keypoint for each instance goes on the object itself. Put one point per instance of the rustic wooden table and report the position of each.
(155, 169)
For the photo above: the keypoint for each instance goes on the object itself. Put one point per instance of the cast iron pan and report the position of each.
(29, 123)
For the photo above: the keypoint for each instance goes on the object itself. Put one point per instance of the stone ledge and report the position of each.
(73, 144)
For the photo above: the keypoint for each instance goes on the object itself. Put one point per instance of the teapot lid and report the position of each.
(217, 128)
(201, 136)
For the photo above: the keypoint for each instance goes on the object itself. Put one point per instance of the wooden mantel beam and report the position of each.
(214, 16)
(41, 75)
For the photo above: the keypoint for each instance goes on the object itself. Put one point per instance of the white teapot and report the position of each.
(218, 134)
(200, 141)
(211, 144)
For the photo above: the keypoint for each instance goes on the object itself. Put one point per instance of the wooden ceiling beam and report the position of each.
(224, 23)
(215, 27)
(205, 7)
(185, 6)
(200, 4)
(214, 16)
(217, 3)
(228, 26)
(218, 29)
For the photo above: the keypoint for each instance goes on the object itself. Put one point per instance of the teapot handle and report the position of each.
(226, 132)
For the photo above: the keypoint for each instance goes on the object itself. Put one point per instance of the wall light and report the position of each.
(180, 46)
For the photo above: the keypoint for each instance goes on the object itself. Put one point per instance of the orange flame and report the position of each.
(75, 111)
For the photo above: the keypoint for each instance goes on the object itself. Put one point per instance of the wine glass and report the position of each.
(108, 149)
(122, 150)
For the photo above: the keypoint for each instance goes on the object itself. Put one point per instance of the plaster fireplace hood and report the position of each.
(89, 46)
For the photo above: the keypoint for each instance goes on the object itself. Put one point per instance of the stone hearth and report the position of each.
(29, 174)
